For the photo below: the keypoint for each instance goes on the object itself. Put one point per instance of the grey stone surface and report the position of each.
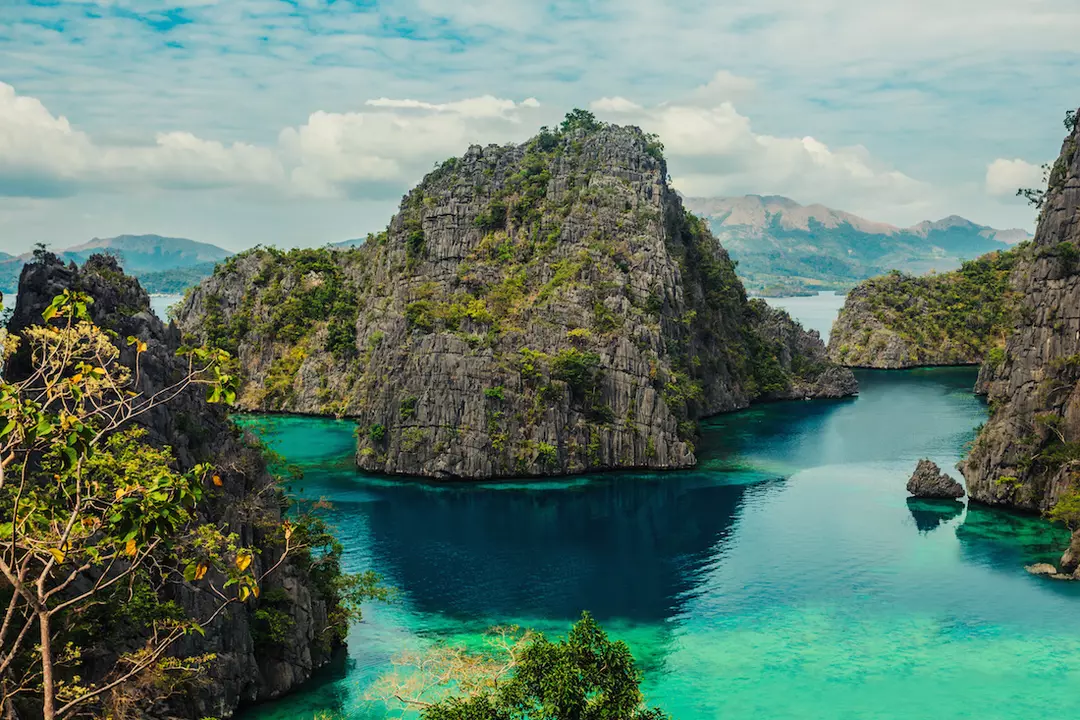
(1021, 457)
(611, 255)
(929, 482)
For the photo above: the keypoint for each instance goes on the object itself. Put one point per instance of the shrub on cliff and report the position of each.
(100, 531)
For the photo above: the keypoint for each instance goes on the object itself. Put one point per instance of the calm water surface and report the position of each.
(788, 576)
(160, 304)
(815, 313)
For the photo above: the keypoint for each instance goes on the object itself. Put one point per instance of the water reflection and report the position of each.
(929, 514)
(623, 548)
(997, 538)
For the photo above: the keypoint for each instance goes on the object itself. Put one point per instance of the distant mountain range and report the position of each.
(350, 243)
(785, 248)
(162, 264)
(782, 247)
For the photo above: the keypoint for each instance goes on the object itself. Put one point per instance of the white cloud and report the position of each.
(614, 105)
(715, 151)
(480, 107)
(36, 148)
(724, 86)
(182, 160)
(376, 153)
(342, 154)
(1004, 177)
(42, 155)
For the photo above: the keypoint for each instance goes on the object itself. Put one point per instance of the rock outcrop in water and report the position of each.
(955, 318)
(247, 666)
(930, 483)
(546, 308)
(1028, 453)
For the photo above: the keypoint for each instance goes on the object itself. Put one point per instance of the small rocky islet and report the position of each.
(548, 308)
(900, 321)
(928, 482)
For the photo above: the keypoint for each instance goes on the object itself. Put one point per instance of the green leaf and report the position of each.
(70, 458)
(44, 427)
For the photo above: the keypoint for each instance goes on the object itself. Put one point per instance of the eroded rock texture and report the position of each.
(545, 308)
(930, 483)
(956, 318)
(248, 667)
(1026, 455)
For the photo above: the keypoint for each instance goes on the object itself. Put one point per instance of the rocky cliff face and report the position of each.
(956, 318)
(546, 308)
(246, 668)
(801, 354)
(1027, 454)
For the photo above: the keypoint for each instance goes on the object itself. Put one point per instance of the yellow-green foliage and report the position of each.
(1067, 510)
(279, 384)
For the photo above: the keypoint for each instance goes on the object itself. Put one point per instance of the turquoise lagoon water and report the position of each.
(788, 576)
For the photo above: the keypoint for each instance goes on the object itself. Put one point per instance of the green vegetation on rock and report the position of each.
(955, 318)
(552, 303)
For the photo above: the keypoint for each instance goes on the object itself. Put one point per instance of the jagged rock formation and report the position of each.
(247, 667)
(1070, 559)
(815, 375)
(1028, 453)
(545, 308)
(1041, 569)
(930, 483)
(956, 318)
(1025, 455)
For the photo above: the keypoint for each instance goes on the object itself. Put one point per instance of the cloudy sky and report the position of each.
(301, 122)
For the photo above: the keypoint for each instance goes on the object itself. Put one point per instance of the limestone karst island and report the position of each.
(539, 361)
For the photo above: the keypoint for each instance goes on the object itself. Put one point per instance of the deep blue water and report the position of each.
(788, 576)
